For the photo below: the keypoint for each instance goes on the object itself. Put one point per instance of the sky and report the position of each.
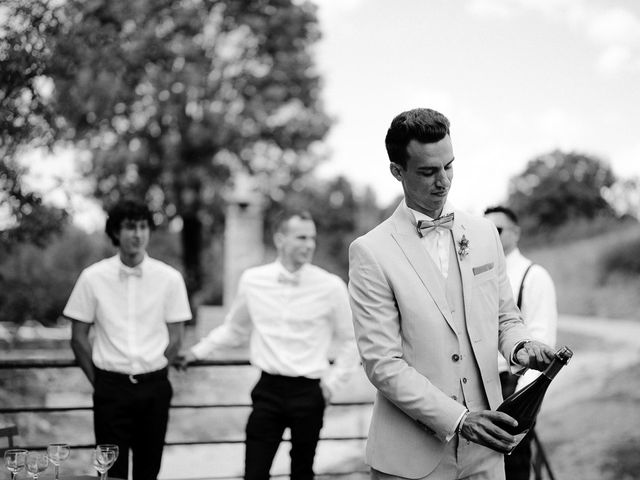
(516, 78)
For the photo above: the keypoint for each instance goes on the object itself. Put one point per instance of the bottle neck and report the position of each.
(553, 368)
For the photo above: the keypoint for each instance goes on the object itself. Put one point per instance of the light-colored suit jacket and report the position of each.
(406, 336)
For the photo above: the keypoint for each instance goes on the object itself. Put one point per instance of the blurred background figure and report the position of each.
(138, 306)
(535, 295)
(290, 310)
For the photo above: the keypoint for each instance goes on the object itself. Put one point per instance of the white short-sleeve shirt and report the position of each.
(129, 312)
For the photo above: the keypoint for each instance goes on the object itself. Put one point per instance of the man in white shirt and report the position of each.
(137, 307)
(535, 295)
(290, 311)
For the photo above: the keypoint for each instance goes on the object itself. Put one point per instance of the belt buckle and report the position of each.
(132, 379)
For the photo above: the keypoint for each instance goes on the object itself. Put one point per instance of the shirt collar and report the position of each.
(514, 256)
(280, 269)
(140, 267)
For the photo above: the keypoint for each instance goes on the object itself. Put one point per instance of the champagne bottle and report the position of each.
(524, 404)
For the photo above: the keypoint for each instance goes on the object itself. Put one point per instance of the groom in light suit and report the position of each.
(431, 307)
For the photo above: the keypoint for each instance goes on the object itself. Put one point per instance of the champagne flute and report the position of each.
(104, 456)
(58, 453)
(36, 464)
(14, 460)
(110, 447)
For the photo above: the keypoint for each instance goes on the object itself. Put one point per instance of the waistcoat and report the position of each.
(470, 389)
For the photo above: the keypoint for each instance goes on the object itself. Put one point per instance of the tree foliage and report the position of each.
(26, 119)
(28, 219)
(36, 282)
(26, 29)
(559, 187)
(172, 99)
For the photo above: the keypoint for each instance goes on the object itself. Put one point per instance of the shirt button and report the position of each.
(464, 380)
(455, 357)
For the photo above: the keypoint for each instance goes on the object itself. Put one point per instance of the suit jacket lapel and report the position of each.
(466, 273)
(406, 236)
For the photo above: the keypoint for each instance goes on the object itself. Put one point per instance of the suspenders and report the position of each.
(522, 285)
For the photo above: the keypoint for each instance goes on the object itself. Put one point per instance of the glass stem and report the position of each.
(57, 470)
(103, 476)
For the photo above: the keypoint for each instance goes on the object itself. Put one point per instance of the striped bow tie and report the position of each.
(424, 226)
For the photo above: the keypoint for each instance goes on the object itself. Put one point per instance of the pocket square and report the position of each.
(482, 268)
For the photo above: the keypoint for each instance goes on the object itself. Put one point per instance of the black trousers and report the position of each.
(280, 402)
(517, 465)
(132, 412)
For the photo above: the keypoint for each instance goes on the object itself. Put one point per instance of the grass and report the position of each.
(581, 285)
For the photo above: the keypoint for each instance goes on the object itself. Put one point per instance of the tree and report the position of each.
(624, 197)
(26, 218)
(172, 99)
(559, 187)
(26, 119)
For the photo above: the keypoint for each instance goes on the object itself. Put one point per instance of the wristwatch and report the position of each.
(518, 347)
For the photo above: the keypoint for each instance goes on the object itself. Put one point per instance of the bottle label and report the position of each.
(518, 438)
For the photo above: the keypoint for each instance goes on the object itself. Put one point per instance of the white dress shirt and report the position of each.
(129, 308)
(290, 324)
(539, 309)
(436, 240)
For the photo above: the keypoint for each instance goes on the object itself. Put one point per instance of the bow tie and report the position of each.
(425, 225)
(292, 280)
(125, 272)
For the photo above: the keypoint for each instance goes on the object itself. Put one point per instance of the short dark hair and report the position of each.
(127, 209)
(421, 124)
(282, 217)
(506, 210)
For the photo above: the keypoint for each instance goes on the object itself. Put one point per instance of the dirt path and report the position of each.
(613, 346)
(589, 420)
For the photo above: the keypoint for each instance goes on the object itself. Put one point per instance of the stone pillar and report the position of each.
(243, 236)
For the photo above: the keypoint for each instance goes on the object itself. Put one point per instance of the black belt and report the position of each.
(287, 379)
(138, 378)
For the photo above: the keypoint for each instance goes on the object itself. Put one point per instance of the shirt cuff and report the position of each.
(514, 366)
(458, 425)
(200, 350)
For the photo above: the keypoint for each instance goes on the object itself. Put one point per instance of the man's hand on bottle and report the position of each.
(486, 428)
(534, 354)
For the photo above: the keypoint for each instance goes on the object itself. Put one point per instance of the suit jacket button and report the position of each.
(454, 397)
(455, 357)
(464, 380)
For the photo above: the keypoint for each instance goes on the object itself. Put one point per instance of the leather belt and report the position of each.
(134, 379)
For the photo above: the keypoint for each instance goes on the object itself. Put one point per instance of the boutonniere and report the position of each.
(463, 247)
